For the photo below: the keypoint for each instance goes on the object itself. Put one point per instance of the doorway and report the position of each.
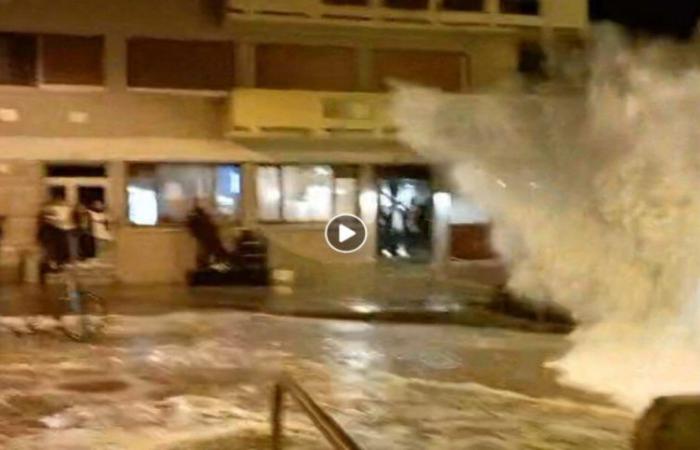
(405, 213)
(84, 184)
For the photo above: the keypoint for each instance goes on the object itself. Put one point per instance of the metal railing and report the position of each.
(433, 12)
(256, 111)
(333, 432)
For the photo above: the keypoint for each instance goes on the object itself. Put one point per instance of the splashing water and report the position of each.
(595, 204)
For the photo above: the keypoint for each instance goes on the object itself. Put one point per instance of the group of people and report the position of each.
(403, 223)
(72, 233)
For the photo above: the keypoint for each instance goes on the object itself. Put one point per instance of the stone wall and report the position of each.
(20, 200)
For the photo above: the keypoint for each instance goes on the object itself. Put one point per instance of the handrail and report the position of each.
(434, 14)
(333, 432)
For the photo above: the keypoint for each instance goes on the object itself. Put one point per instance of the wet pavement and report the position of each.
(404, 300)
(202, 380)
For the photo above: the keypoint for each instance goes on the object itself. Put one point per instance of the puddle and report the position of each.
(94, 386)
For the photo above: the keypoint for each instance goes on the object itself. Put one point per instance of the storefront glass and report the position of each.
(166, 193)
(301, 193)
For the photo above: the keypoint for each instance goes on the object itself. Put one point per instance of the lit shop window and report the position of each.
(166, 193)
(305, 193)
(228, 190)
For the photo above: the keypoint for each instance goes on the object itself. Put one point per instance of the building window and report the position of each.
(18, 59)
(309, 67)
(76, 171)
(406, 4)
(166, 193)
(305, 193)
(174, 64)
(526, 7)
(72, 60)
(64, 59)
(345, 2)
(428, 68)
(463, 5)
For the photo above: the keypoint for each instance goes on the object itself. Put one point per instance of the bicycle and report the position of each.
(81, 313)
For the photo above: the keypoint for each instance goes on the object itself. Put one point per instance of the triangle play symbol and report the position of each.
(345, 233)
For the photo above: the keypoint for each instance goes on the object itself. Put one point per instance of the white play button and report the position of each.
(344, 233)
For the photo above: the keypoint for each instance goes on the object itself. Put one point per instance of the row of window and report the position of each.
(506, 6)
(28, 60)
(165, 193)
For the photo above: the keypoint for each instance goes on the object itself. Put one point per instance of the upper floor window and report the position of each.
(527, 7)
(345, 2)
(406, 4)
(429, 68)
(75, 60)
(463, 5)
(321, 68)
(18, 59)
(29, 59)
(176, 64)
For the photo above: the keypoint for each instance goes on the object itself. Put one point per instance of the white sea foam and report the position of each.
(595, 202)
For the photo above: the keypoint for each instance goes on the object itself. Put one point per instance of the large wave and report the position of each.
(595, 205)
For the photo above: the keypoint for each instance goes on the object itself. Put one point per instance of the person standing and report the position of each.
(84, 234)
(55, 226)
(210, 249)
(100, 227)
(59, 217)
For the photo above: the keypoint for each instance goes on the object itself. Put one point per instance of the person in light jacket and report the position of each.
(100, 227)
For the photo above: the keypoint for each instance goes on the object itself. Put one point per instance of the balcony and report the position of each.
(423, 13)
(266, 112)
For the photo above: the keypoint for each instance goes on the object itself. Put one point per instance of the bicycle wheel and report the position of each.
(85, 316)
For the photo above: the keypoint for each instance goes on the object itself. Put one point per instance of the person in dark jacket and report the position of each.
(83, 232)
(210, 249)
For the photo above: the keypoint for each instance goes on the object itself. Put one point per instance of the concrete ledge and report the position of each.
(543, 312)
(671, 423)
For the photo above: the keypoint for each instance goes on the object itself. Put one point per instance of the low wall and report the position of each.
(303, 249)
(154, 255)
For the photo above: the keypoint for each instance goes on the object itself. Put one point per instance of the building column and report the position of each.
(368, 200)
(115, 62)
(465, 71)
(21, 196)
(245, 64)
(365, 69)
(492, 8)
(116, 196)
(441, 239)
(249, 201)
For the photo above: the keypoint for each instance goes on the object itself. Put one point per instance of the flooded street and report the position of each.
(203, 380)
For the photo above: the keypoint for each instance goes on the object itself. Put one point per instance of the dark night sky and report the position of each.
(677, 18)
